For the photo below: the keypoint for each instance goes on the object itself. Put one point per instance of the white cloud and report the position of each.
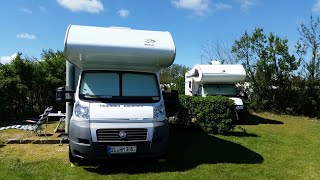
(221, 6)
(316, 6)
(199, 7)
(26, 10)
(7, 59)
(43, 9)
(247, 4)
(90, 6)
(123, 13)
(26, 36)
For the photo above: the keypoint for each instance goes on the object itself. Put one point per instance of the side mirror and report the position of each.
(61, 95)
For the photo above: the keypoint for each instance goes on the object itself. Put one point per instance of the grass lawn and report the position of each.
(274, 147)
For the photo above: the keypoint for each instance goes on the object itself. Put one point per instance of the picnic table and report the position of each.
(62, 117)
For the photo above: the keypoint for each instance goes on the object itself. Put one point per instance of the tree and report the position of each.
(275, 74)
(217, 50)
(308, 50)
(173, 76)
(270, 69)
(51, 74)
(15, 83)
(248, 50)
(308, 44)
(28, 85)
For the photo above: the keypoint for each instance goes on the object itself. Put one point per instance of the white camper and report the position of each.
(117, 110)
(215, 79)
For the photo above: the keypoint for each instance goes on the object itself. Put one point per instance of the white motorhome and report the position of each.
(215, 79)
(117, 110)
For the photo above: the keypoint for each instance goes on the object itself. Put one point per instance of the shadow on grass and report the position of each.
(21, 122)
(189, 148)
(16, 141)
(241, 134)
(250, 119)
(47, 142)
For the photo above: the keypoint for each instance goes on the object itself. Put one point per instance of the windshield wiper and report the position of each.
(88, 96)
(96, 96)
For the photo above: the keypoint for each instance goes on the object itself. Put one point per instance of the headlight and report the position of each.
(239, 107)
(159, 112)
(81, 111)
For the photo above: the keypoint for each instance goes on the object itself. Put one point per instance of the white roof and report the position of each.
(217, 73)
(90, 47)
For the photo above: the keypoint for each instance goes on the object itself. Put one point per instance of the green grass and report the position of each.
(274, 147)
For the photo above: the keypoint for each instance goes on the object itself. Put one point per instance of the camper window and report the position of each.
(139, 85)
(220, 89)
(196, 73)
(117, 87)
(95, 84)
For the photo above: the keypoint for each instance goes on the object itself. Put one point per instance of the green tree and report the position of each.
(248, 50)
(28, 85)
(52, 74)
(275, 72)
(309, 44)
(270, 69)
(15, 85)
(308, 50)
(173, 77)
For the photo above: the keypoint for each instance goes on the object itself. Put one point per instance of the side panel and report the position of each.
(72, 77)
(69, 86)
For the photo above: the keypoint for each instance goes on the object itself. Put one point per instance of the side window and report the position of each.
(196, 73)
(200, 90)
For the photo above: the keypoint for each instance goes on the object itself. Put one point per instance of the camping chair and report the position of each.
(35, 125)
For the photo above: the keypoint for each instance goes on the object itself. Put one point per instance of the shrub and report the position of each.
(214, 114)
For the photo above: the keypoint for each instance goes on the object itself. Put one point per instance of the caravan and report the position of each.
(215, 79)
(117, 110)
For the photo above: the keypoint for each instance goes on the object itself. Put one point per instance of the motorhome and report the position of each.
(117, 110)
(215, 79)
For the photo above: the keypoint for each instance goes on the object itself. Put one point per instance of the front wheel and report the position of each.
(162, 158)
(72, 159)
(240, 115)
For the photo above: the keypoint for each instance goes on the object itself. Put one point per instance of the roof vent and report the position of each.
(215, 63)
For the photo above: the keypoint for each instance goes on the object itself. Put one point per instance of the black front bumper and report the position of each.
(86, 149)
(100, 151)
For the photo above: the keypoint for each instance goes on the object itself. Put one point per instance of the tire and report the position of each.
(162, 158)
(240, 115)
(72, 159)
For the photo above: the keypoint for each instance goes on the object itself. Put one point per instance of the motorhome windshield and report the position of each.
(220, 89)
(126, 87)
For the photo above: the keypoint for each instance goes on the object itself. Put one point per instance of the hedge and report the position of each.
(214, 114)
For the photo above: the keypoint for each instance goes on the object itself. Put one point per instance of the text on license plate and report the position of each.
(121, 149)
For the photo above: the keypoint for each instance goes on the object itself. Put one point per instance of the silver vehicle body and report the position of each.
(117, 101)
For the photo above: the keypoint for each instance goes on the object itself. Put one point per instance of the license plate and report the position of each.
(121, 149)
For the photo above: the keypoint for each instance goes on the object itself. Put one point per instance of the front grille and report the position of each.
(110, 135)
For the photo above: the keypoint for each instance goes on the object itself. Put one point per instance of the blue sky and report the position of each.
(28, 26)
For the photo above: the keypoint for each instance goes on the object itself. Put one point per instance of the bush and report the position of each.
(27, 85)
(214, 114)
